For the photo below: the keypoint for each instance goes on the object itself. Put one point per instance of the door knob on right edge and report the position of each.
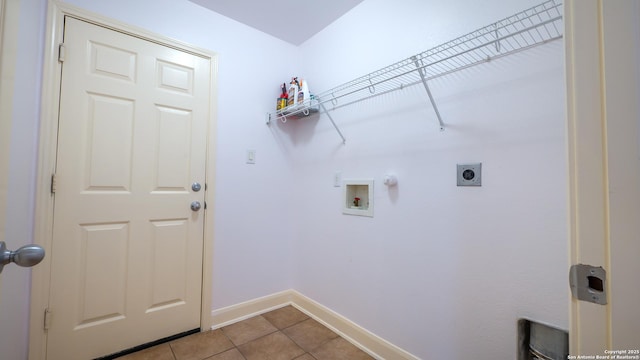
(195, 206)
(26, 256)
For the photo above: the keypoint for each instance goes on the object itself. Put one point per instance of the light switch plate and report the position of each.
(470, 174)
(251, 156)
(337, 179)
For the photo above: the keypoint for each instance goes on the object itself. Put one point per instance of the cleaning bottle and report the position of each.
(303, 94)
(282, 100)
(293, 92)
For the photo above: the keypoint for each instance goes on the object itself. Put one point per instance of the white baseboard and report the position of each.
(350, 331)
(234, 313)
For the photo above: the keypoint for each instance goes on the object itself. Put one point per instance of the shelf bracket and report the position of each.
(426, 87)
(324, 109)
(270, 116)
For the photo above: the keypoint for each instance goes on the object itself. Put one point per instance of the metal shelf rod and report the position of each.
(426, 87)
(344, 141)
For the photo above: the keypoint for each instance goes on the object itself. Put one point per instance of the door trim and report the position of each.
(594, 115)
(43, 228)
(588, 198)
(7, 61)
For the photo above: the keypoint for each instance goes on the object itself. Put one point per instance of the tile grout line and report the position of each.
(289, 337)
(234, 345)
(172, 352)
(276, 331)
(315, 348)
(298, 345)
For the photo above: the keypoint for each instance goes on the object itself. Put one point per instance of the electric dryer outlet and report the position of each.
(470, 174)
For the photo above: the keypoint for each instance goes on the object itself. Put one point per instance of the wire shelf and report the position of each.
(535, 26)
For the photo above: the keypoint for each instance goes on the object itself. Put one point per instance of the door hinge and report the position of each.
(47, 319)
(61, 52)
(53, 183)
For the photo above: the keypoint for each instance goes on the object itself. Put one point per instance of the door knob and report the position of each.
(195, 206)
(27, 256)
(196, 186)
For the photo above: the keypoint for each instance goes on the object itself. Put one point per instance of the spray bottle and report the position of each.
(282, 100)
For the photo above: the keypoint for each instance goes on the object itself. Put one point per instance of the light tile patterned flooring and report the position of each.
(282, 334)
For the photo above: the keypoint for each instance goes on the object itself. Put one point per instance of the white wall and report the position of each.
(442, 271)
(252, 251)
(23, 34)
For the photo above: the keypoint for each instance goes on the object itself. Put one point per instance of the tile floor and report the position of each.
(282, 334)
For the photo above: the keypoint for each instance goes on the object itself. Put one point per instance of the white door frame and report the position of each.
(592, 103)
(6, 87)
(5, 125)
(588, 199)
(46, 163)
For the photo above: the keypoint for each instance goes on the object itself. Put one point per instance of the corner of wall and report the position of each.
(367, 341)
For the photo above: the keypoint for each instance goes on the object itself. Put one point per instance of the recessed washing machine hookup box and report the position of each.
(357, 197)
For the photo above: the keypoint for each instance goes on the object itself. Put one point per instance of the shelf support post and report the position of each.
(324, 109)
(426, 87)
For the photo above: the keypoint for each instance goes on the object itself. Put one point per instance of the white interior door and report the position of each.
(126, 264)
(603, 57)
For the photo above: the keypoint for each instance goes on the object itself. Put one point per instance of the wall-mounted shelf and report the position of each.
(535, 26)
(305, 109)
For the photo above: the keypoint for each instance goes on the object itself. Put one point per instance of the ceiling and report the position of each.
(293, 21)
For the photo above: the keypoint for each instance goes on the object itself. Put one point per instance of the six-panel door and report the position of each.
(127, 248)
